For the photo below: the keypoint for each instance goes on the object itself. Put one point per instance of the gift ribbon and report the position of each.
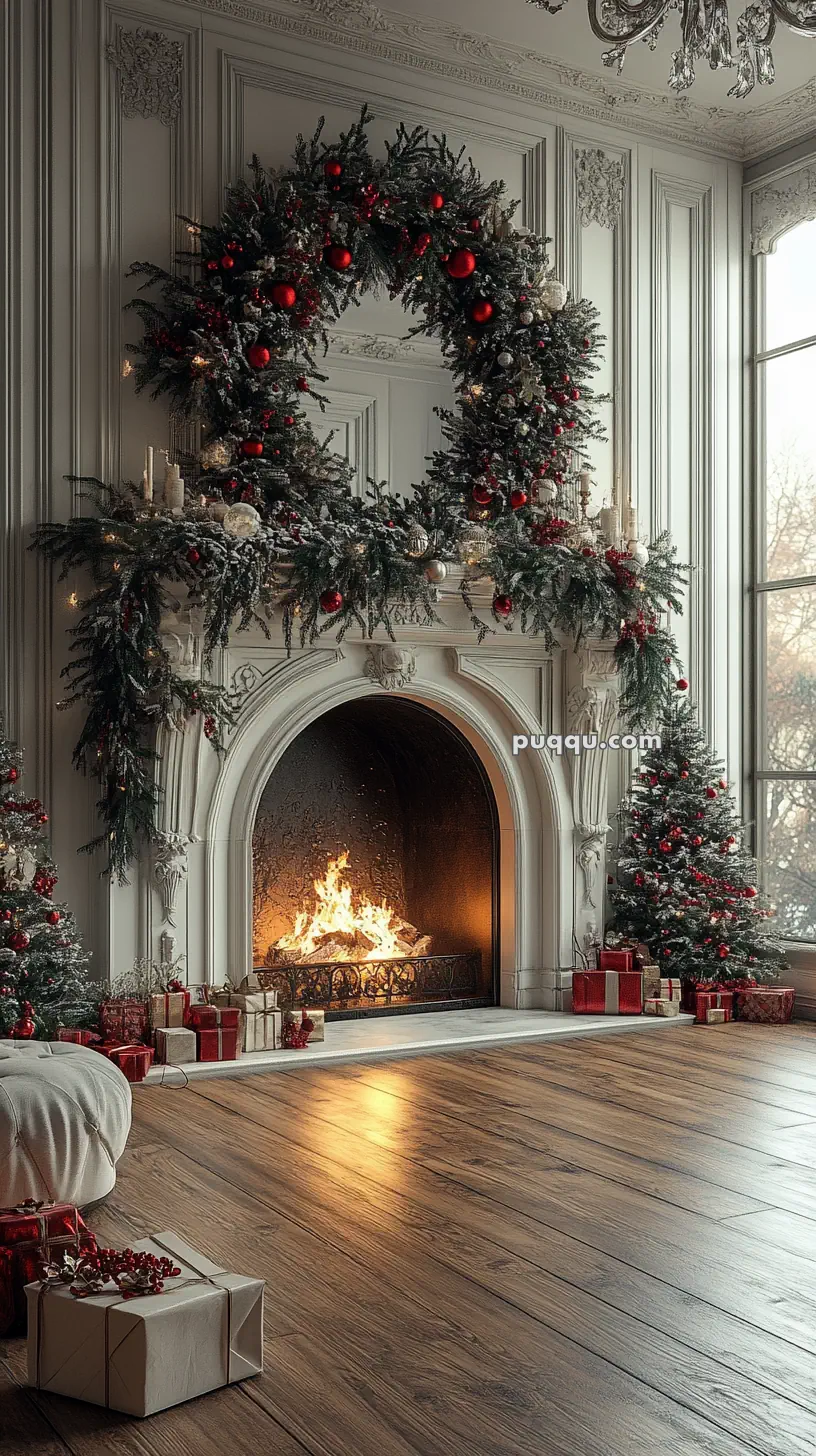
(202, 1278)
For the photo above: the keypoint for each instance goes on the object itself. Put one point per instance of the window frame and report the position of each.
(760, 585)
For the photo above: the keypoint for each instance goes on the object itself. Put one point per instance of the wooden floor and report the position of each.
(590, 1248)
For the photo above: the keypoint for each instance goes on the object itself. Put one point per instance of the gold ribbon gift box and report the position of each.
(145, 1354)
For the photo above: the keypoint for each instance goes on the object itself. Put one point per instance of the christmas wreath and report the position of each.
(232, 340)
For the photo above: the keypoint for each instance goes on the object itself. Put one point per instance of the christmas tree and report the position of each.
(685, 884)
(43, 968)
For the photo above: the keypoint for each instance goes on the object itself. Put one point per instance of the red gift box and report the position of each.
(772, 1005)
(607, 993)
(132, 1059)
(77, 1035)
(708, 999)
(205, 1018)
(219, 1043)
(615, 960)
(125, 1019)
(31, 1235)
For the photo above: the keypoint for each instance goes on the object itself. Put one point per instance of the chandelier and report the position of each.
(705, 32)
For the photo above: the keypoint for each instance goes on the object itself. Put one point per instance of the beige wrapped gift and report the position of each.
(651, 981)
(254, 1001)
(318, 1017)
(175, 1045)
(660, 1006)
(262, 1031)
(143, 1355)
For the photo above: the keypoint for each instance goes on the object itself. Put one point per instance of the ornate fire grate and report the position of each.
(338, 985)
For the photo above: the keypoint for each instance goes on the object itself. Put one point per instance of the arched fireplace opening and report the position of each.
(375, 865)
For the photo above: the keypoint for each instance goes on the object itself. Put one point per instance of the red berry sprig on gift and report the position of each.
(135, 1273)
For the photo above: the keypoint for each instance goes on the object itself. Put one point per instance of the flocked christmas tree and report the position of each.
(43, 968)
(686, 886)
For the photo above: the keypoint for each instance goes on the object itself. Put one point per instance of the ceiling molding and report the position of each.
(483, 63)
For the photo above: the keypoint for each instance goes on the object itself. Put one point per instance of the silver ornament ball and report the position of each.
(526, 316)
(215, 456)
(436, 571)
(504, 359)
(242, 520)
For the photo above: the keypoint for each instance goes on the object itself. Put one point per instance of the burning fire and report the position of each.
(345, 925)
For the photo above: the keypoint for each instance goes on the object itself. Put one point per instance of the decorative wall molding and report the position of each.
(781, 205)
(599, 185)
(391, 667)
(483, 63)
(170, 866)
(386, 348)
(149, 67)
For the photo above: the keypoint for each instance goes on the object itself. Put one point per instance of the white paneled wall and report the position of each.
(103, 151)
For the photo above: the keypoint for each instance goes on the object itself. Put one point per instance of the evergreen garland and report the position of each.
(232, 342)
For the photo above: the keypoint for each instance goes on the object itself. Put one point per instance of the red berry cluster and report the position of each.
(134, 1274)
(550, 532)
(637, 629)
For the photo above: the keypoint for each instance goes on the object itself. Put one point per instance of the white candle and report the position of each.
(586, 481)
(610, 526)
(147, 474)
(630, 529)
(173, 488)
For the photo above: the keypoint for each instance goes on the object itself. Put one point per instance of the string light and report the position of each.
(199, 361)
(73, 600)
(127, 368)
(193, 229)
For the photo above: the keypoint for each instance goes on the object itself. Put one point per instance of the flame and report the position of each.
(339, 910)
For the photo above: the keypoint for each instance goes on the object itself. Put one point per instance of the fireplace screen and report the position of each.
(374, 855)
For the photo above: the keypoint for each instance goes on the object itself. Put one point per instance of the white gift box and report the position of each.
(142, 1355)
(262, 1031)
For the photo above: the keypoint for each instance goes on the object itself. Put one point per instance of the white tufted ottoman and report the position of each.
(64, 1121)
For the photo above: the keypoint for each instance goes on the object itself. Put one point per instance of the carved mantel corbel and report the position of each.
(592, 711)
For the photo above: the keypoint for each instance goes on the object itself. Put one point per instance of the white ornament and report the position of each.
(504, 359)
(526, 316)
(554, 294)
(506, 401)
(436, 571)
(242, 520)
(524, 428)
(418, 541)
(639, 552)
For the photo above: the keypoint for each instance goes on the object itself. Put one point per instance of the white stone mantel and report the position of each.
(552, 811)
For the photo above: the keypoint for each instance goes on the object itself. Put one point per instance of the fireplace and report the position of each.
(375, 864)
(400, 755)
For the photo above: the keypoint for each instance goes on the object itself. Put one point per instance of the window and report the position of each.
(785, 577)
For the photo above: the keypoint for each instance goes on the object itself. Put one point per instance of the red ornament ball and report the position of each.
(333, 168)
(502, 606)
(482, 311)
(331, 601)
(461, 263)
(684, 773)
(723, 783)
(482, 494)
(288, 419)
(665, 846)
(53, 917)
(258, 356)
(193, 556)
(723, 951)
(475, 225)
(227, 262)
(681, 684)
(12, 776)
(749, 892)
(518, 498)
(42, 818)
(303, 384)
(436, 202)
(711, 793)
(252, 448)
(18, 940)
(339, 258)
(24, 1029)
(697, 841)
(283, 295)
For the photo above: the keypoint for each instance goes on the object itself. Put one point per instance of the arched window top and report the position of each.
(790, 287)
(781, 205)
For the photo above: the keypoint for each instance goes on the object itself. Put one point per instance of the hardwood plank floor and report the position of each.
(584, 1248)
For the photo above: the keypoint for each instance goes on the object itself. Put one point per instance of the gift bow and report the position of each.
(31, 1205)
